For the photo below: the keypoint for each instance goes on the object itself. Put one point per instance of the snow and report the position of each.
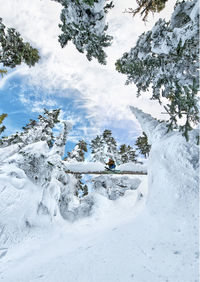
(133, 167)
(84, 166)
(150, 233)
(82, 251)
(98, 166)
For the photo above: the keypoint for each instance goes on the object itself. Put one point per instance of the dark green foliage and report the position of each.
(85, 27)
(2, 117)
(109, 139)
(96, 144)
(108, 7)
(142, 145)
(13, 51)
(167, 63)
(147, 6)
(90, 2)
(2, 72)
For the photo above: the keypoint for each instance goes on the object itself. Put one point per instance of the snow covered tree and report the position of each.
(83, 23)
(78, 153)
(97, 149)
(13, 50)
(35, 131)
(166, 60)
(147, 6)
(110, 146)
(142, 145)
(104, 147)
(127, 154)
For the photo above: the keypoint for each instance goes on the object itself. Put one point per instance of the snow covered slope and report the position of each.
(148, 238)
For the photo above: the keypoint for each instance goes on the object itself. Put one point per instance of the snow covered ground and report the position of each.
(98, 248)
(150, 234)
(121, 242)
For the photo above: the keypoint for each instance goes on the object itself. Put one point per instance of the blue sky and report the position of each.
(93, 97)
(18, 102)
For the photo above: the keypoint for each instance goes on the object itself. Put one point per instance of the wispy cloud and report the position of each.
(98, 90)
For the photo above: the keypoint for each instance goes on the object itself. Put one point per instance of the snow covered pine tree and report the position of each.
(127, 154)
(97, 149)
(34, 131)
(105, 147)
(13, 51)
(142, 145)
(83, 22)
(166, 58)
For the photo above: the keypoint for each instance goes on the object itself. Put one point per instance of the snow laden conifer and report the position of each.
(127, 154)
(78, 153)
(83, 23)
(165, 59)
(13, 50)
(104, 147)
(97, 149)
(35, 131)
(110, 146)
(142, 145)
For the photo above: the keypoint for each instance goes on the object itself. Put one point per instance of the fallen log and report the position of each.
(107, 172)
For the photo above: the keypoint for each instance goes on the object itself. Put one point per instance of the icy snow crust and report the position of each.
(143, 235)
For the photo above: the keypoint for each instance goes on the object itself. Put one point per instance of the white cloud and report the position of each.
(102, 91)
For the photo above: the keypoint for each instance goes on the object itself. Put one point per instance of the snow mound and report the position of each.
(114, 187)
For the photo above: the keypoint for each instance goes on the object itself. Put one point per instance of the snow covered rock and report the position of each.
(114, 187)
